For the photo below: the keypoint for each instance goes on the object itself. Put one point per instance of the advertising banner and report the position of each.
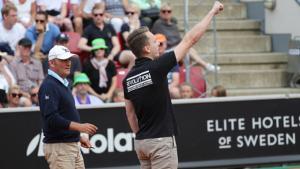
(213, 133)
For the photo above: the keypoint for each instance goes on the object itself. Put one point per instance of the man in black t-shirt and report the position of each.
(147, 100)
(100, 29)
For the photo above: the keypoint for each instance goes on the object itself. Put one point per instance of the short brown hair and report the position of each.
(137, 40)
(98, 6)
(8, 6)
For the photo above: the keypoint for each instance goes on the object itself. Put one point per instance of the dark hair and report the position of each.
(42, 13)
(137, 41)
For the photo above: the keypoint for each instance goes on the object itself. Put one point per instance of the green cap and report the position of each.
(81, 78)
(98, 43)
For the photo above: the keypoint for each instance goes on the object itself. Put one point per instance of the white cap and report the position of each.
(59, 52)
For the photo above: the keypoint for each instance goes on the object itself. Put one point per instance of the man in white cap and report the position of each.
(61, 121)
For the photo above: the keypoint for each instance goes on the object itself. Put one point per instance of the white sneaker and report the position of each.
(212, 68)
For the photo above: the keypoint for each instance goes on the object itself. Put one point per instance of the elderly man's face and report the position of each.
(82, 88)
(61, 67)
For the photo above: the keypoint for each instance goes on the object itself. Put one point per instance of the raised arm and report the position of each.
(195, 34)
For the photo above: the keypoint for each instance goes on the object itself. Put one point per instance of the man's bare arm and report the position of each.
(195, 34)
(131, 116)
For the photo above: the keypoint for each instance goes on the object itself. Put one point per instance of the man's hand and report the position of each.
(84, 127)
(40, 28)
(88, 128)
(218, 7)
(85, 142)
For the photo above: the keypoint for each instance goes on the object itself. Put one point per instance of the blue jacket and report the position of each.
(58, 109)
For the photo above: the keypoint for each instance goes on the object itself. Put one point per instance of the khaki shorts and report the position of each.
(157, 153)
(64, 155)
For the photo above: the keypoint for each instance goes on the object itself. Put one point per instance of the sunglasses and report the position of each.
(33, 94)
(129, 13)
(166, 11)
(16, 94)
(161, 44)
(98, 14)
(39, 21)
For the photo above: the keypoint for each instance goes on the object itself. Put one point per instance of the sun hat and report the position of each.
(81, 78)
(59, 52)
(98, 43)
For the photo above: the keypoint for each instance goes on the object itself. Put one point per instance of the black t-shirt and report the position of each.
(94, 75)
(146, 86)
(92, 32)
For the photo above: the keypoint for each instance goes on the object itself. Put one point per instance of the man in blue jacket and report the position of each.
(61, 121)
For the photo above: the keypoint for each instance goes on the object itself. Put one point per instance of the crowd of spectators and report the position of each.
(30, 28)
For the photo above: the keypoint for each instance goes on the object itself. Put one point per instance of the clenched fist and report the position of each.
(218, 7)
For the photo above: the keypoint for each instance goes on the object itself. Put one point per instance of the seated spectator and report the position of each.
(81, 85)
(42, 35)
(6, 80)
(16, 99)
(63, 40)
(166, 26)
(57, 13)
(149, 10)
(118, 96)
(134, 22)
(99, 29)
(133, 14)
(101, 71)
(173, 75)
(186, 91)
(115, 12)
(34, 95)
(218, 91)
(10, 30)
(26, 11)
(86, 7)
(27, 70)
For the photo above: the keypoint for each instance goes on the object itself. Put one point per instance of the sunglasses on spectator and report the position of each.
(39, 21)
(129, 13)
(16, 94)
(98, 14)
(33, 94)
(166, 11)
(161, 44)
